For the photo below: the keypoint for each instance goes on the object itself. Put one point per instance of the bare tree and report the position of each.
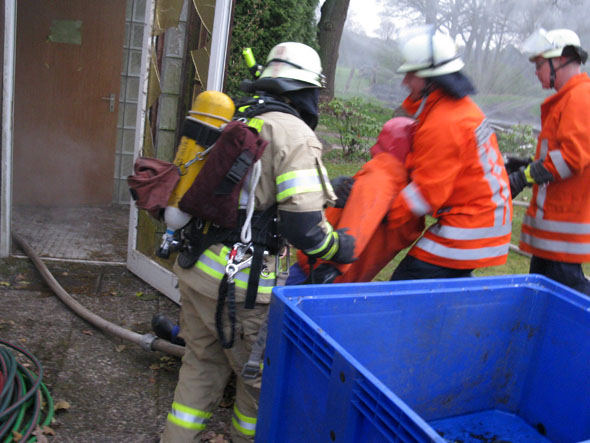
(330, 28)
(427, 10)
(485, 28)
(387, 28)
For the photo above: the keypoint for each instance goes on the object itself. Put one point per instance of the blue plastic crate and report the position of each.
(480, 359)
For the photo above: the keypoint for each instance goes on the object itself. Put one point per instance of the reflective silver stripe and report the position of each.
(544, 149)
(541, 197)
(454, 233)
(211, 266)
(555, 245)
(244, 275)
(246, 425)
(488, 158)
(420, 107)
(190, 418)
(562, 168)
(187, 417)
(483, 132)
(417, 203)
(461, 254)
(298, 182)
(214, 266)
(556, 226)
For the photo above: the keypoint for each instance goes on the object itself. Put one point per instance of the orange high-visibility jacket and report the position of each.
(557, 223)
(457, 175)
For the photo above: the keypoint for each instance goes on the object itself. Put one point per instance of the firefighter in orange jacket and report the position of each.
(456, 169)
(377, 183)
(556, 227)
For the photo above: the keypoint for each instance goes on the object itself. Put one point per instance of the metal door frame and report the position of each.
(143, 266)
(7, 124)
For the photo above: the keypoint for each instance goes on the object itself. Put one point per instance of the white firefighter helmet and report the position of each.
(550, 44)
(429, 54)
(294, 61)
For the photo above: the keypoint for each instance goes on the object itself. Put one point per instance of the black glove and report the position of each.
(535, 172)
(514, 163)
(342, 186)
(345, 253)
(517, 182)
(539, 173)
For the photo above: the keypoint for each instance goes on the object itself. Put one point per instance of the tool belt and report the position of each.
(265, 240)
(200, 235)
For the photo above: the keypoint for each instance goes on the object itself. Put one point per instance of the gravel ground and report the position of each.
(109, 390)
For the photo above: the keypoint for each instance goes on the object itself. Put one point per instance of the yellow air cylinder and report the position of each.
(210, 108)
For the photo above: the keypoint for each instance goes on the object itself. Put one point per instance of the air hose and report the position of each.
(147, 342)
(23, 396)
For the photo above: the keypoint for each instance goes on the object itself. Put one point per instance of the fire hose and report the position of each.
(23, 396)
(147, 342)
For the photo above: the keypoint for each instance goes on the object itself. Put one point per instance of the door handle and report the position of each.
(111, 100)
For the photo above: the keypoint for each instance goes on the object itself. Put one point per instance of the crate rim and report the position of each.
(341, 290)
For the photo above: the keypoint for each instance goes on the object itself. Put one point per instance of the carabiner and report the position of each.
(236, 260)
(233, 268)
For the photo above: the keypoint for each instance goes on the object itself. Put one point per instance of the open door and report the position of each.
(67, 81)
(61, 79)
(142, 243)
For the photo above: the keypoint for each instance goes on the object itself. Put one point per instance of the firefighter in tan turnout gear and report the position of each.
(288, 189)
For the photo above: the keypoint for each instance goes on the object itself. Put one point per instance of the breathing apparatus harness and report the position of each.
(254, 236)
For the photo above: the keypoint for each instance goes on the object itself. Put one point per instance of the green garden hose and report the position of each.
(24, 398)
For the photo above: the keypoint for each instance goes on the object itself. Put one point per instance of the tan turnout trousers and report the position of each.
(206, 368)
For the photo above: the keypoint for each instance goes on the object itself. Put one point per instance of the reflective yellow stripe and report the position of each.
(527, 174)
(214, 266)
(187, 417)
(332, 252)
(298, 182)
(256, 123)
(324, 243)
(246, 425)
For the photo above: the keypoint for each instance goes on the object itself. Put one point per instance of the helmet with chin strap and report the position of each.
(552, 44)
(429, 54)
(291, 66)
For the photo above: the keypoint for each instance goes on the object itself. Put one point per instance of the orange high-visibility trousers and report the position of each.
(375, 186)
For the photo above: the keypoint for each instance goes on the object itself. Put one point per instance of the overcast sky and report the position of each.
(366, 14)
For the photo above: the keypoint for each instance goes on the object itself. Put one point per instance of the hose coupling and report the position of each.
(147, 341)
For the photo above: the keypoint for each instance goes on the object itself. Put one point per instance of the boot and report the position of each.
(165, 329)
(323, 274)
